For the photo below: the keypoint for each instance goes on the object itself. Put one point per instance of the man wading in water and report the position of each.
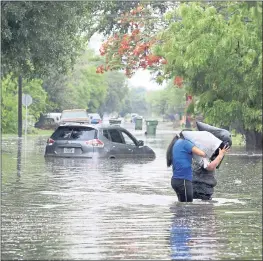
(204, 179)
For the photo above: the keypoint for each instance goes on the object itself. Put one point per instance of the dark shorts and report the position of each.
(202, 191)
(183, 189)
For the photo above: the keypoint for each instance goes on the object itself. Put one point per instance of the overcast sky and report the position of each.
(141, 78)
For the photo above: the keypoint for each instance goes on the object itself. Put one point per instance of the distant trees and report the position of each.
(83, 88)
(170, 100)
(138, 100)
(117, 91)
(135, 101)
(79, 88)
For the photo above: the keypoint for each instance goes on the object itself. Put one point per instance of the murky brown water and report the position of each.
(86, 210)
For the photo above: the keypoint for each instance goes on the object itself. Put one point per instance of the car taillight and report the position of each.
(50, 141)
(100, 121)
(95, 143)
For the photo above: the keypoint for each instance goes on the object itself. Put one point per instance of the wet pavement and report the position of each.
(83, 209)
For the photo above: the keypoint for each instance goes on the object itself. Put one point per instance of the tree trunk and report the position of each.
(253, 141)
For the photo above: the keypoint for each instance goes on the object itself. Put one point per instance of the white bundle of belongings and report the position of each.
(204, 140)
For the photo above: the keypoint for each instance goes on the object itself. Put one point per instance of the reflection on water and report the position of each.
(19, 148)
(193, 232)
(180, 235)
(85, 209)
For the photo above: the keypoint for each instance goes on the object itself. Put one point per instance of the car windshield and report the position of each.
(74, 133)
(74, 114)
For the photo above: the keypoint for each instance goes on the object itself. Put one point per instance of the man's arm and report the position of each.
(213, 164)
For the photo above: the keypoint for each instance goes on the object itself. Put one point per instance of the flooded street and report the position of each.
(82, 209)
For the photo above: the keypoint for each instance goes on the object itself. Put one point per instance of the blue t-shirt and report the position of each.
(182, 159)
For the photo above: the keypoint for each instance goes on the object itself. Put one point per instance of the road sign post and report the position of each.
(19, 111)
(26, 101)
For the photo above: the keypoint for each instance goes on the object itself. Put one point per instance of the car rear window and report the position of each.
(74, 133)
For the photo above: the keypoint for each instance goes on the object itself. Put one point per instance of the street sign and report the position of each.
(26, 99)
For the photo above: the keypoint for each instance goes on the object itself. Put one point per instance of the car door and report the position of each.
(119, 148)
(132, 142)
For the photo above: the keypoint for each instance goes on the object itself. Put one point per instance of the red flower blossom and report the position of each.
(178, 81)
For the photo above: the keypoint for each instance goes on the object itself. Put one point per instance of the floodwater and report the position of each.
(83, 209)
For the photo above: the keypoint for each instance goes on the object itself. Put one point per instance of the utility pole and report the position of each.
(20, 106)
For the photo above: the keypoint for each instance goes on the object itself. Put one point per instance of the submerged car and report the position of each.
(95, 141)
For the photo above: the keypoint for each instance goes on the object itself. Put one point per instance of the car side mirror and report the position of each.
(140, 143)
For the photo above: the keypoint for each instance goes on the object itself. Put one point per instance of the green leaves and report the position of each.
(37, 35)
(9, 100)
(39, 96)
(220, 55)
(9, 105)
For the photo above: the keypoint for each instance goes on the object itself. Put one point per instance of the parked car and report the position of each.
(48, 121)
(75, 115)
(92, 141)
(94, 118)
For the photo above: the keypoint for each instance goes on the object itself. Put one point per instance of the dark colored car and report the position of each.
(48, 121)
(95, 141)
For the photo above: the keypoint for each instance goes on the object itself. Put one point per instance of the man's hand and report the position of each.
(223, 151)
(212, 165)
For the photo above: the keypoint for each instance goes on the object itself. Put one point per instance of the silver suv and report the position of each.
(95, 141)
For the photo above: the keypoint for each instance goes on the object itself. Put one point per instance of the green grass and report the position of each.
(40, 132)
(33, 132)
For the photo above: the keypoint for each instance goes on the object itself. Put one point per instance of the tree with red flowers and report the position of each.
(132, 51)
